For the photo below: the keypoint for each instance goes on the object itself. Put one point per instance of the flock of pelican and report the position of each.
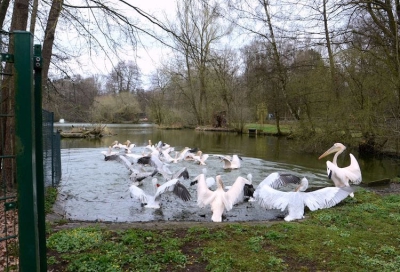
(154, 163)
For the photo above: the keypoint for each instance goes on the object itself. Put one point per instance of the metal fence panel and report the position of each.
(51, 151)
(9, 260)
(22, 158)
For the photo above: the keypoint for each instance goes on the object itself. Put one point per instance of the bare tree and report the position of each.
(125, 77)
(196, 32)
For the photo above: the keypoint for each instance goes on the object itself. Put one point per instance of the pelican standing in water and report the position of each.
(219, 200)
(342, 176)
(294, 202)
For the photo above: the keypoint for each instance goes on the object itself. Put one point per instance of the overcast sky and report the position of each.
(94, 61)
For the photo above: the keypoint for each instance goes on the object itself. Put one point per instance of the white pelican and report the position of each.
(294, 202)
(199, 157)
(118, 145)
(128, 149)
(230, 162)
(219, 200)
(153, 201)
(342, 176)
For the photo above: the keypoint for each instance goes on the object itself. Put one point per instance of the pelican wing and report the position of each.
(235, 162)
(353, 171)
(166, 156)
(138, 193)
(144, 160)
(235, 193)
(136, 157)
(248, 190)
(139, 176)
(210, 181)
(326, 197)
(173, 186)
(181, 173)
(276, 180)
(342, 176)
(181, 191)
(270, 198)
(204, 194)
(227, 163)
(181, 155)
(122, 159)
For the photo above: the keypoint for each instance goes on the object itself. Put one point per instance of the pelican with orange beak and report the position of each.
(342, 177)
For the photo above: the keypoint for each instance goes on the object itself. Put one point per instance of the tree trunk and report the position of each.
(3, 11)
(47, 50)
(330, 53)
(33, 16)
(7, 106)
(278, 63)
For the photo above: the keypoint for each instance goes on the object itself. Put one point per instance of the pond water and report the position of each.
(94, 189)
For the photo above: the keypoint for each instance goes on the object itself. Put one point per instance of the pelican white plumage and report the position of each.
(248, 191)
(115, 144)
(153, 201)
(129, 148)
(230, 162)
(199, 157)
(276, 180)
(181, 174)
(295, 202)
(179, 156)
(166, 157)
(219, 200)
(210, 181)
(155, 162)
(118, 145)
(341, 177)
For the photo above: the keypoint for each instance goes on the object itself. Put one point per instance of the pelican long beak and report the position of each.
(331, 150)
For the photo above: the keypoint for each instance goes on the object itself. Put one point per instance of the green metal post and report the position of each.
(25, 153)
(37, 66)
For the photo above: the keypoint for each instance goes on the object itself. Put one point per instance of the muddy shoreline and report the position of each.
(59, 222)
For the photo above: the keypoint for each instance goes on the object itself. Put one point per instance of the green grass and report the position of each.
(360, 234)
(268, 128)
(50, 199)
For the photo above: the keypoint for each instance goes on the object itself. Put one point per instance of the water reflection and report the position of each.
(271, 149)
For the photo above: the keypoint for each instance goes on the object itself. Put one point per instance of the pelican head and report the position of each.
(337, 147)
(302, 186)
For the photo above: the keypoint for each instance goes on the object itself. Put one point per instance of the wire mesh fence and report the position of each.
(51, 151)
(9, 260)
(25, 166)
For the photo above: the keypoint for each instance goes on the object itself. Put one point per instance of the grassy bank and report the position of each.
(269, 129)
(360, 234)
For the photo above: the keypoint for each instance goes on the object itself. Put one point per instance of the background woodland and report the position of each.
(329, 69)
